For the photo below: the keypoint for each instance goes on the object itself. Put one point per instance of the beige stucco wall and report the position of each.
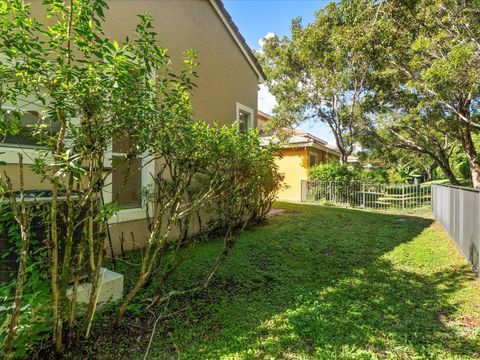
(225, 75)
(261, 121)
(31, 180)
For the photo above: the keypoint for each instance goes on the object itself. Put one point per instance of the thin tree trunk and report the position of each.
(444, 164)
(471, 153)
(67, 250)
(57, 322)
(22, 217)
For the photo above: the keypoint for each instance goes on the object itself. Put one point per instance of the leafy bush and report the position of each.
(34, 324)
(114, 91)
(334, 171)
(212, 179)
(377, 176)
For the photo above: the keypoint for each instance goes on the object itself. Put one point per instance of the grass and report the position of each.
(316, 283)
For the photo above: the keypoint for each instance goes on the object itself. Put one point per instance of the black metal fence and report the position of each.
(367, 195)
(457, 209)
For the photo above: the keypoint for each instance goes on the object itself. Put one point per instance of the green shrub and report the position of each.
(211, 180)
(33, 323)
(377, 176)
(334, 171)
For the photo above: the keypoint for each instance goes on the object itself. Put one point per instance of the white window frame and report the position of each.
(147, 173)
(9, 152)
(246, 109)
(146, 176)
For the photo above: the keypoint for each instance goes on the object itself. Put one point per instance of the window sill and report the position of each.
(9, 153)
(128, 215)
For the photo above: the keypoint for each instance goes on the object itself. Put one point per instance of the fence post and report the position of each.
(303, 191)
(403, 196)
(432, 198)
(363, 195)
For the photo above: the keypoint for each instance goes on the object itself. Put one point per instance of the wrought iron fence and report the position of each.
(367, 195)
(457, 209)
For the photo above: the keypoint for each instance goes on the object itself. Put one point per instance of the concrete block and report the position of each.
(111, 288)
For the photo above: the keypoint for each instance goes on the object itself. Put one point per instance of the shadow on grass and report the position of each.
(320, 283)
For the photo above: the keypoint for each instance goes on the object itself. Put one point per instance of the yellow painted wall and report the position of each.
(294, 166)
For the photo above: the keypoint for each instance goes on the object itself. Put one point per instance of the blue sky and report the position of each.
(256, 18)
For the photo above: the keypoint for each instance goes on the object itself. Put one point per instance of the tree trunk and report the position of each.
(468, 147)
(447, 171)
(475, 171)
(429, 171)
(444, 164)
(343, 158)
(22, 216)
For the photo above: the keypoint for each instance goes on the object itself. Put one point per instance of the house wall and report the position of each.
(226, 77)
(294, 166)
(261, 121)
(31, 180)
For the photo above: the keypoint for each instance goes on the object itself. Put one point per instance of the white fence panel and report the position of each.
(367, 195)
(457, 209)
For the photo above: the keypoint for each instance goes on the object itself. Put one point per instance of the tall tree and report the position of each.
(320, 72)
(420, 135)
(431, 49)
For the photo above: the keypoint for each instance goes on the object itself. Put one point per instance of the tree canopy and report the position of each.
(320, 72)
(408, 70)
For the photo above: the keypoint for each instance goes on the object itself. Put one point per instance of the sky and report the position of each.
(256, 19)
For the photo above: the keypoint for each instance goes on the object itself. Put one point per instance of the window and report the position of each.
(29, 123)
(243, 121)
(244, 117)
(126, 190)
(126, 177)
(312, 160)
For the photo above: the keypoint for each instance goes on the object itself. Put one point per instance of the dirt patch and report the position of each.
(275, 211)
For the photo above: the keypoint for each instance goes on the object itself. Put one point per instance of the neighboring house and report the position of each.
(262, 119)
(226, 91)
(300, 151)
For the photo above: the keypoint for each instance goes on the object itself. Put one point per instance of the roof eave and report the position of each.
(239, 39)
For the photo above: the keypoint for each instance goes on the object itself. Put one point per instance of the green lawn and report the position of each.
(319, 283)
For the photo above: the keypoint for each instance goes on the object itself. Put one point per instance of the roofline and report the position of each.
(312, 144)
(316, 139)
(239, 39)
(308, 135)
(264, 114)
